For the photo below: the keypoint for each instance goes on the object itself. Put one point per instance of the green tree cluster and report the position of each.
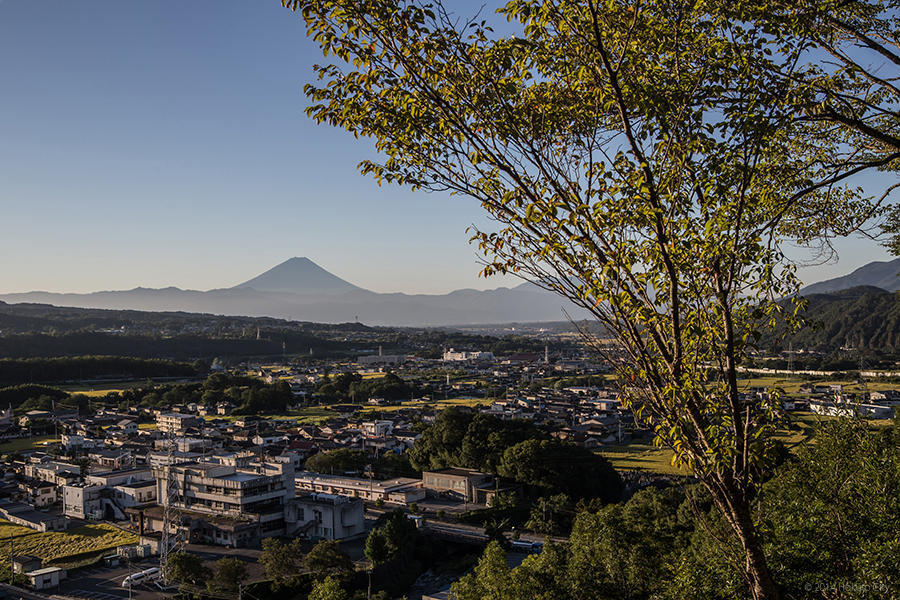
(358, 462)
(352, 386)
(461, 438)
(829, 518)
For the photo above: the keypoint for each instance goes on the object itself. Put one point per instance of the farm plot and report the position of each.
(56, 545)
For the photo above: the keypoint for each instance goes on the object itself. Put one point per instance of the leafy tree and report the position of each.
(327, 560)
(187, 568)
(548, 514)
(853, 95)
(329, 588)
(832, 516)
(379, 548)
(229, 574)
(461, 438)
(280, 560)
(561, 467)
(643, 160)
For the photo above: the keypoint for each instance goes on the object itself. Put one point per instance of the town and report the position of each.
(140, 475)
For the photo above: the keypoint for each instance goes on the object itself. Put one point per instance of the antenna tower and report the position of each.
(170, 543)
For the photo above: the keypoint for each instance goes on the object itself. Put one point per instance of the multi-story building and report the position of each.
(377, 429)
(109, 495)
(57, 473)
(176, 423)
(330, 517)
(234, 501)
(452, 355)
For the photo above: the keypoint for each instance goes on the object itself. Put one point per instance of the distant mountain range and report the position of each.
(299, 289)
(884, 275)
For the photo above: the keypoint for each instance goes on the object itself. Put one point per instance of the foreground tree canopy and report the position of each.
(649, 161)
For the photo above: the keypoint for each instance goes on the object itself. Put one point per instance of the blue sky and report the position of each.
(164, 143)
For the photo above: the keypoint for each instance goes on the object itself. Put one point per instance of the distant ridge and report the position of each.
(884, 275)
(298, 289)
(298, 275)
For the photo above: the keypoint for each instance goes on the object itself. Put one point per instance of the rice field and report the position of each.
(57, 545)
(29, 443)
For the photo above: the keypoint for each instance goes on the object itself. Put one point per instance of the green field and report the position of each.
(642, 456)
(101, 389)
(57, 546)
(23, 444)
(791, 385)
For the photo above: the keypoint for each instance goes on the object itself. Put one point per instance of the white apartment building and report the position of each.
(377, 429)
(175, 422)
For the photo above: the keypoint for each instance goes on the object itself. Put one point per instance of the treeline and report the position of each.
(16, 395)
(436, 340)
(352, 386)
(179, 347)
(44, 318)
(72, 368)
(249, 395)
(349, 461)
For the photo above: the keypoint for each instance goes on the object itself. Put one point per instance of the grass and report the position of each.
(8, 529)
(101, 389)
(23, 444)
(642, 456)
(436, 404)
(56, 546)
(792, 385)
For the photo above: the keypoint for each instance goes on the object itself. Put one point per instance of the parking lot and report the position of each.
(105, 583)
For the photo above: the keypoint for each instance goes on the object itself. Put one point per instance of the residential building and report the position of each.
(175, 423)
(377, 429)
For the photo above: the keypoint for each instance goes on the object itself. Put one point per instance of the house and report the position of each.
(39, 493)
(128, 426)
(111, 459)
(22, 563)
(43, 579)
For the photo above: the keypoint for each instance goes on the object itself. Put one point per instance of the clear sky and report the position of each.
(164, 143)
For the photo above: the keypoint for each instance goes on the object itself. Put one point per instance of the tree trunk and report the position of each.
(759, 578)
